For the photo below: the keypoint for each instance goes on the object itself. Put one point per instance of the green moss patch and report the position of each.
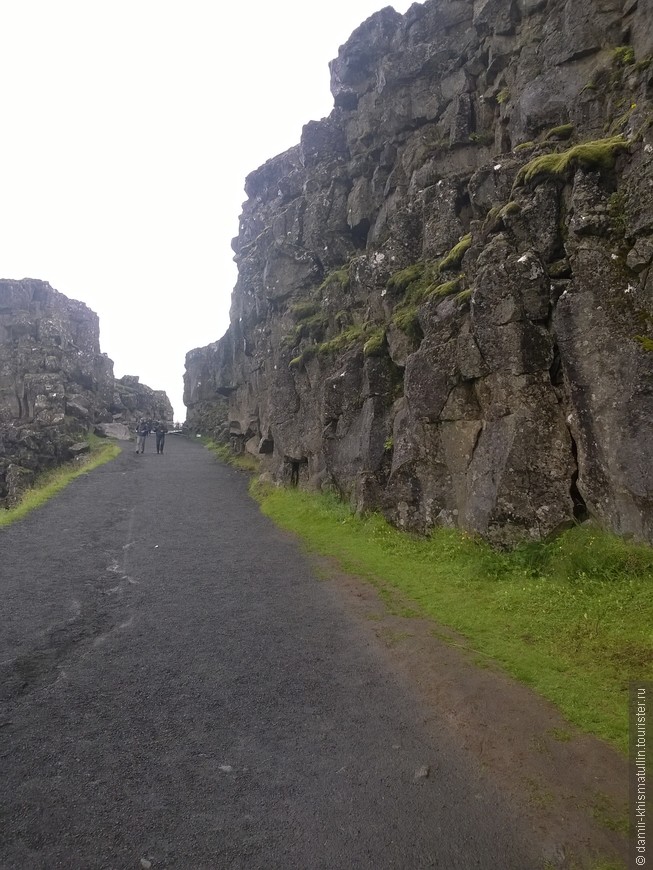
(645, 342)
(338, 279)
(571, 617)
(407, 320)
(600, 154)
(453, 258)
(447, 288)
(623, 55)
(563, 131)
(375, 344)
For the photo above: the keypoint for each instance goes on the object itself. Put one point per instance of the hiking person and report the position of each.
(160, 430)
(142, 431)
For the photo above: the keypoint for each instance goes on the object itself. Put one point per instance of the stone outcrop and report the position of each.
(56, 385)
(444, 298)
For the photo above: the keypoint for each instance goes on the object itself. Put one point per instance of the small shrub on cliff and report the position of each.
(600, 154)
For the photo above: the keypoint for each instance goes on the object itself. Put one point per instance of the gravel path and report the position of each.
(179, 690)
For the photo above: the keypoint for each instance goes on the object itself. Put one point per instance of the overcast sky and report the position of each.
(128, 129)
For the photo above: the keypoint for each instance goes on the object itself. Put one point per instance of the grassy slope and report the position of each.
(572, 618)
(51, 482)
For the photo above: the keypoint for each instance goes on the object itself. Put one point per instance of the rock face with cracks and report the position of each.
(444, 298)
(55, 384)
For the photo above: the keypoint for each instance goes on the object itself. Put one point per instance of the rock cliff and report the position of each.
(55, 384)
(444, 296)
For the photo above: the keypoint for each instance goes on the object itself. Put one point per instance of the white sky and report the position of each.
(128, 128)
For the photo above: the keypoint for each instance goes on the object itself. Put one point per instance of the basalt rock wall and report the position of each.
(56, 385)
(444, 297)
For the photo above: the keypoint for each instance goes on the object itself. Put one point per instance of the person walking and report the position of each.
(160, 430)
(142, 431)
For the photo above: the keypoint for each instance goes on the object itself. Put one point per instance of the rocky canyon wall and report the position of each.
(56, 385)
(444, 304)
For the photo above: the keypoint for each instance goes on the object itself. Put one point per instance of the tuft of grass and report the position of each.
(645, 342)
(307, 354)
(453, 259)
(407, 320)
(464, 295)
(48, 484)
(509, 208)
(623, 55)
(503, 96)
(609, 816)
(338, 279)
(346, 338)
(560, 734)
(404, 278)
(304, 310)
(600, 154)
(375, 344)
(481, 138)
(563, 131)
(243, 461)
(311, 326)
(571, 617)
(524, 146)
(447, 288)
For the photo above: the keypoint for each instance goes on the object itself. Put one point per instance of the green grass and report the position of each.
(623, 55)
(50, 483)
(447, 288)
(572, 618)
(407, 319)
(600, 154)
(244, 461)
(338, 279)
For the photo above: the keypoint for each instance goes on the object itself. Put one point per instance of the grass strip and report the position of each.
(572, 618)
(50, 483)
